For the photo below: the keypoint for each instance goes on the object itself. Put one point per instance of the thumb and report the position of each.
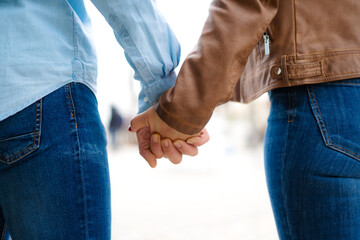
(139, 122)
(199, 140)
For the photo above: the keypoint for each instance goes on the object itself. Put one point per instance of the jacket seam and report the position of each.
(234, 82)
(295, 31)
(328, 77)
(330, 55)
(312, 56)
(303, 66)
(310, 81)
(336, 52)
(238, 65)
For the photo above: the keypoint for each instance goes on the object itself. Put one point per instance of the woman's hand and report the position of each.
(156, 139)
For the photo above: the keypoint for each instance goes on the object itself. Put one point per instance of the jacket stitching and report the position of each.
(295, 31)
(303, 66)
(322, 67)
(238, 65)
(310, 81)
(313, 56)
(326, 77)
(311, 74)
(234, 82)
(329, 53)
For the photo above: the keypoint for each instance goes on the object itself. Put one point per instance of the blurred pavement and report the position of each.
(219, 195)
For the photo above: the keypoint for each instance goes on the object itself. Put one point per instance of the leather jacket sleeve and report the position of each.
(210, 73)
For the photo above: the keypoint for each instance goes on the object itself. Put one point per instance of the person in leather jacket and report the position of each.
(306, 54)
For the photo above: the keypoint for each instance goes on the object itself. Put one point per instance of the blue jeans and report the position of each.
(54, 175)
(312, 154)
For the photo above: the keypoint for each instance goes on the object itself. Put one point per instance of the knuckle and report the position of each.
(142, 153)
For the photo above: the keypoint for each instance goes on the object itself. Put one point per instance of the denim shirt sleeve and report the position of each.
(151, 47)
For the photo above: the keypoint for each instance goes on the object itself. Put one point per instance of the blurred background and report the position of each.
(220, 194)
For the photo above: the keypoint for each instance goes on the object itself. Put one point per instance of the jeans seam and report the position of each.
(291, 108)
(80, 164)
(318, 116)
(71, 103)
(283, 160)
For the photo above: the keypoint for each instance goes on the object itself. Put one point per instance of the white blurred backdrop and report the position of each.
(220, 194)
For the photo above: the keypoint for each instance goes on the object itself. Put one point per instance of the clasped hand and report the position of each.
(156, 139)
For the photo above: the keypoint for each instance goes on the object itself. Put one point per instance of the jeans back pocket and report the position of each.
(20, 134)
(336, 108)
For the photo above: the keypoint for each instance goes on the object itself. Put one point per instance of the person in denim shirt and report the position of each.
(54, 176)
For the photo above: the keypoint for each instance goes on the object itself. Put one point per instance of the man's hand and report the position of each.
(165, 141)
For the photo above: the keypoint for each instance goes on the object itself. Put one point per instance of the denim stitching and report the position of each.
(80, 162)
(18, 136)
(321, 122)
(71, 103)
(344, 150)
(283, 156)
(291, 106)
(318, 115)
(37, 132)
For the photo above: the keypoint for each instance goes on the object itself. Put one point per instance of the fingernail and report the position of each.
(129, 128)
(166, 143)
(190, 142)
(155, 138)
(177, 145)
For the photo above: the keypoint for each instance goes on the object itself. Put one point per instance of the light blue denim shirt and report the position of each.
(45, 44)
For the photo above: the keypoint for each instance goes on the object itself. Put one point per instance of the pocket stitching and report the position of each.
(327, 139)
(35, 145)
(17, 137)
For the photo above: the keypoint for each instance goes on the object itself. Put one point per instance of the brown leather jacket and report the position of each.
(249, 47)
